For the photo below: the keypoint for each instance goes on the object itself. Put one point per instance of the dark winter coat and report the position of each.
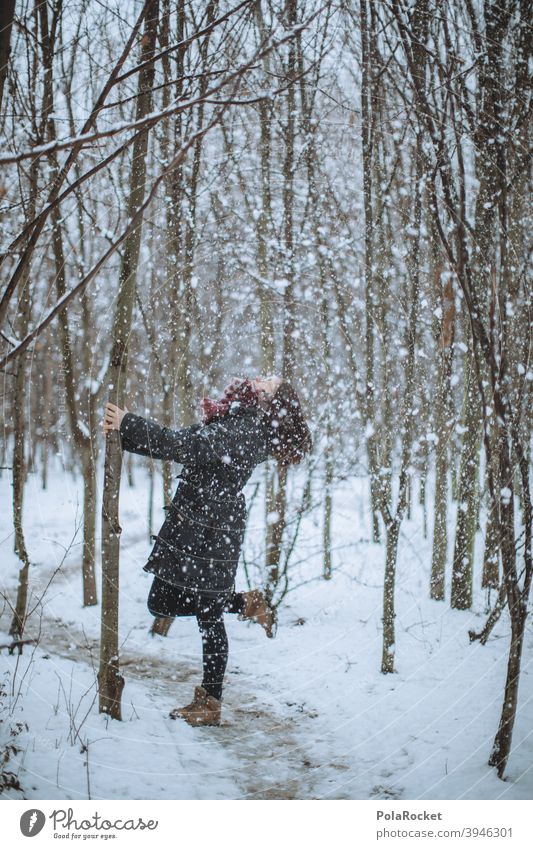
(199, 543)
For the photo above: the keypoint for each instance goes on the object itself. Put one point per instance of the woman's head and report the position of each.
(289, 436)
(266, 387)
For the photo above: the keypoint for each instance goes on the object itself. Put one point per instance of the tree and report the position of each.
(110, 682)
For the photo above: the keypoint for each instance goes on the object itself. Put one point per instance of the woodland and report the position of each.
(335, 192)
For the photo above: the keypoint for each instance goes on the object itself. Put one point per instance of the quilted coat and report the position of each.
(199, 543)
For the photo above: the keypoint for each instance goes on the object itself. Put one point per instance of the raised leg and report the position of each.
(236, 603)
(254, 606)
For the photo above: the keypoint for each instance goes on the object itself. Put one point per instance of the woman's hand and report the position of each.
(113, 416)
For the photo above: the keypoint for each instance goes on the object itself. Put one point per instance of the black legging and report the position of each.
(166, 600)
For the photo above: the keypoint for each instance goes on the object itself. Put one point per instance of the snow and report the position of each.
(305, 715)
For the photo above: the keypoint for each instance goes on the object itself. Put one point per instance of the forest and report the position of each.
(336, 192)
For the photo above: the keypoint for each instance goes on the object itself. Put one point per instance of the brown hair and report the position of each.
(289, 437)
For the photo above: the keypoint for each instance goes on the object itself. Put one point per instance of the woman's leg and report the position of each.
(235, 604)
(166, 600)
(210, 616)
(252, 605)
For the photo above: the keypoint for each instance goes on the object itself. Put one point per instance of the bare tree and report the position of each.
(110, 682)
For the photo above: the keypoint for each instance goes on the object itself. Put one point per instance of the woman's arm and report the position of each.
(141, 436)
(150, 439)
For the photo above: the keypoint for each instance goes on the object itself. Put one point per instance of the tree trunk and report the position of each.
(182, 241)
(19, 434)
(502, 743)
(82, 442)
(19, 474)
(367, 132)
(151, 492)
(440, 533)
(422, 500)
(174, 200)
(389, 639)
(490, 578)
(444, 334)
(279, 496)
(110, 682)
(7, 13)
(89, 526)
(516, 600)
(267, 337)
(467, 496)
(46, 423)
(328, 454)
(277, 522)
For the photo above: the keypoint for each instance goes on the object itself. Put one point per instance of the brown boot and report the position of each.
(256, 608)
(204, 710)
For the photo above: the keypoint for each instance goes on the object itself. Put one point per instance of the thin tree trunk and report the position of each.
(467, 496)
(273, 552)
(151, 493)
(277, 522)
(440, 534)
(389, 614)
(89, 528)
(490, 578)
(19, 428)
(328, 457)
(502, 742)
(46, 423)
(110, 681)
(7, 14)
(182, 241)
(444, 335)
(367, 130)
(19, 473)
(407, 413)
(82, 442)
(267, 338)
(422, 500)
(517, 602)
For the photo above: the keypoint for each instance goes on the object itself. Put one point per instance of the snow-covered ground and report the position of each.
(307, 715)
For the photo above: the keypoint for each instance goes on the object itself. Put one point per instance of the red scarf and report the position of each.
(240, 390)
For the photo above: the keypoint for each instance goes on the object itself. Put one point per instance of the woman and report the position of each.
(196, 552)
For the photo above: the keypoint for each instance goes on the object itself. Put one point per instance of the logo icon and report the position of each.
(32, 822)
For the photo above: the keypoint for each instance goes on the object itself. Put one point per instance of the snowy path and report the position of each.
(264, 748)
(259, 751)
